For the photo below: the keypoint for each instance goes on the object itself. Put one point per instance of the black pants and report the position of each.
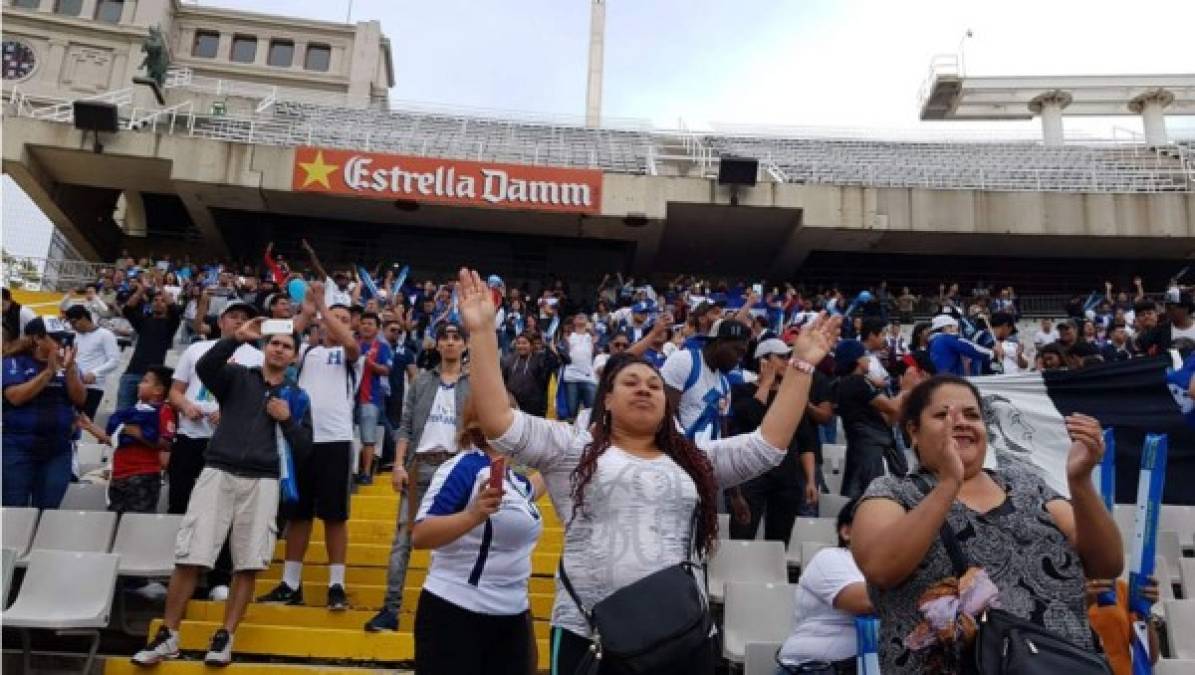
(186, 463)
(779, 494)
(450, 640)
(92, 404)
(568, 649)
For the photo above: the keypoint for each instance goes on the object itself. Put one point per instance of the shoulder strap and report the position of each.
(568, 587)
(695, 372)
(958, 558)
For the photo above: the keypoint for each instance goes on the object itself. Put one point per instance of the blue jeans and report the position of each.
(829, 431)
(579, 394)
(35, 475)
(126, 395)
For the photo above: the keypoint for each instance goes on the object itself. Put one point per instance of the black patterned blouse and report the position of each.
(1036, 574)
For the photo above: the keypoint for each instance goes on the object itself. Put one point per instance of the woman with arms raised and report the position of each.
(631, 488)
(1026, 548)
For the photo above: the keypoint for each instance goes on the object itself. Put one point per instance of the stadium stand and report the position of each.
(755, 612)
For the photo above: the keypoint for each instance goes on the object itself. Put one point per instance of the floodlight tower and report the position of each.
(597, 42)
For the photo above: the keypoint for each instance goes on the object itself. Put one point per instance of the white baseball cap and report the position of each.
(941, 321)
(772, 346)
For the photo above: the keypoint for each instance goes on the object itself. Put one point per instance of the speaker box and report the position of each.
(95, 116)
(738, 171)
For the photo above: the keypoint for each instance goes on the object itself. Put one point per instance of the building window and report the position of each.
(244, 48)
(205, 44)
(319, 57)
(68, 7)
(109, 11)
(27, 4)
(282, 53)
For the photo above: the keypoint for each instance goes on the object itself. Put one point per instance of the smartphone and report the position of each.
(278, 327)
(497, 473)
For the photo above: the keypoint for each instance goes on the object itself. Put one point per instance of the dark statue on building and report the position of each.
(156, 62)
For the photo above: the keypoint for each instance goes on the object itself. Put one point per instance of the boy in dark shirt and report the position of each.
(140, 434)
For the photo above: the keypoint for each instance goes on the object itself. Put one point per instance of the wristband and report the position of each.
(801, 365)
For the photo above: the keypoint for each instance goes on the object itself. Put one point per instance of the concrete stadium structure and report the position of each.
(255, 103)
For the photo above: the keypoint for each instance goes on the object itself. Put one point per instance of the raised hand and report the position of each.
(475, 303)
(250, 331)
(1087, 446)
(950, 462)
(486, 503)
(817, 338)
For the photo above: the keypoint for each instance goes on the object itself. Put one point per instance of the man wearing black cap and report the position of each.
(426, 439)
(198, 415)
(98, 354)
(1177, 324)
(1008, 351)
(696, 379)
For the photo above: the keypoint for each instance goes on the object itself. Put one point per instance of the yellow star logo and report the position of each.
(318, 171)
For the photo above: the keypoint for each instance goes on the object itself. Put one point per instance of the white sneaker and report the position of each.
(218, 593)
(163, 647)
(153, 591)
(220, 652)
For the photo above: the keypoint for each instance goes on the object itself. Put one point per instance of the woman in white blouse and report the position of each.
(628, 486)
(830, 594)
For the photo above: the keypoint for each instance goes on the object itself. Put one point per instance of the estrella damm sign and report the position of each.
(447, 181)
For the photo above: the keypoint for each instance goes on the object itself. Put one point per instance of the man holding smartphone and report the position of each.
(330, 374)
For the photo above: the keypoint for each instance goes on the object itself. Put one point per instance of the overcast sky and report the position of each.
(768, 62)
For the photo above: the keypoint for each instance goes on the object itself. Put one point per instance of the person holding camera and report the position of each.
(236, 496)
(42, 388)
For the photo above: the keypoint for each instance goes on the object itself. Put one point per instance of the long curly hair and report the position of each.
(668, 439)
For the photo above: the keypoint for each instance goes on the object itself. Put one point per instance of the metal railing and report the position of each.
(48, 274)
(940, 65)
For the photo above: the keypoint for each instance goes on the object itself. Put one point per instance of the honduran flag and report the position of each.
(1025, 419)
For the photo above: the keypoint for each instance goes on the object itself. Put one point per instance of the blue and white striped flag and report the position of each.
(399, 280)
(1104, 473)
(368, 287)
(553, 327)
(1145, 540)
(867, 636)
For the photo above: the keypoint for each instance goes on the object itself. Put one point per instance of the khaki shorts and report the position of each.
(222, 502)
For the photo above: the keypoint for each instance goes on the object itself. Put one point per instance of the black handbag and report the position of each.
(649, 626)
(1006, 644)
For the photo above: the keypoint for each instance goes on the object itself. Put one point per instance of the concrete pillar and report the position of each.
(597, 47)
(1050, 106)
(130, 214)
(1151, 106)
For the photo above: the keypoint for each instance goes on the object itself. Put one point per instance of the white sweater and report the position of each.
(98, 354)
(638, 512)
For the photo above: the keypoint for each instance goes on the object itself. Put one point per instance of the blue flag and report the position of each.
(867, 640)
(368, 288)
(399, 280)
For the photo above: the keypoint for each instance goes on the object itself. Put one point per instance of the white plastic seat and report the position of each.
(1180, 627)
(829, 506)
(833, 453)
(19, 525)
(1179, 519)
(761, 658)
(810, 549)
(145, 544)
(84, 531)
(833, 482)
(85, 497)
(1174, 667)
(8, 564)
(824, 530)
(1169, 548)
(69, 592)
(91, 453)
(746, 561)
(755, 612)
(1186, 570)
(723, 526)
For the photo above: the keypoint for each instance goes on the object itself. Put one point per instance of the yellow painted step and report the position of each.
(372, 555)
(306, 642)
(122, 666)
(312, 617)
(376, 576)
(381, 532)
(362, 597)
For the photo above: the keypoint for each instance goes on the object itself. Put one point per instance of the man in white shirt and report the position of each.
(1045, 335)
(97, 355)
(872, 337)
(1008, 351)
(198, 415)
(329, 373)
(702, 400)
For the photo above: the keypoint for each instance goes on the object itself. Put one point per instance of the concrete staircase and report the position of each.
(310, 640)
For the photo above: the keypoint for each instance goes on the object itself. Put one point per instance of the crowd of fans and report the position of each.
(364, 371)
